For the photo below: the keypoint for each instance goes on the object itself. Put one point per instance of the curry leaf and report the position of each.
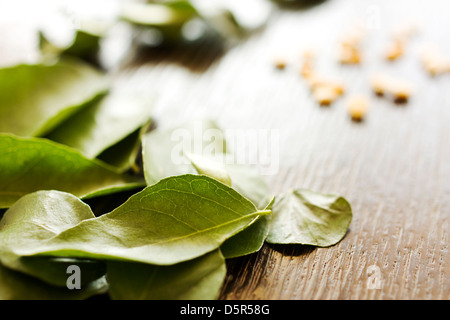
(231, 18)
(164, 150)
(53, 270)
(307, 217)
(38, 97)
(197, 279)
(55, 212)
(245, 179)
(177, 21)
(104, 123)
(249, 240)
(18, 286)
(248, 181)
(177, 219)
(200, 147)
(124, 154)
(31, 164)
(210, 168)
(172, 13)
(85, 44)
(166, 20)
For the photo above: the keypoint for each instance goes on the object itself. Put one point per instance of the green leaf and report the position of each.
(197, 279)
(177, 219)
(244, 179)
(172, 13)
(231, 19)
(38, 216)
(82, 41)
(200, 147)
(164, 150)
(43, 95)
(210, 168)
(164, 20)
(125, 153)
(247, 181)
(85, 44)
(104, 123)
(310, 218)
(47, 48)
(53, 270)
(171, 152)
(249, 240)
(178, 21)
(18, 286)
(31, 164)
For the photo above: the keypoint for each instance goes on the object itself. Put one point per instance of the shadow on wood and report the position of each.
(197, 57)
(292, 250)
(297, 4)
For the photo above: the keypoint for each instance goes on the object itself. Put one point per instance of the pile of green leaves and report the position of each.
(181, 21)
(169, 240)
(154, 23)
(70, 140)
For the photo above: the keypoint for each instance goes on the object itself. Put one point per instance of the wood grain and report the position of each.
(394, 167)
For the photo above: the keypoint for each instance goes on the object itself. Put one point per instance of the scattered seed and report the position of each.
(315, 81)
(399, 89)
(325, 95)
(438, 67)
(357, 107)
(349, 46)
(379, 84)
(400, 37)
(307, 71)
(434, 61)
(349, 54)
(394, 50)
(338, 87)
(280, 63)
(325, 91)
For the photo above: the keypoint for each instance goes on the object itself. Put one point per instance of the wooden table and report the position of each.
(394, 167)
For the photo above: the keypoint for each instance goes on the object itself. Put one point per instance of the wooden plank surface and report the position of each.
(394, 167)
